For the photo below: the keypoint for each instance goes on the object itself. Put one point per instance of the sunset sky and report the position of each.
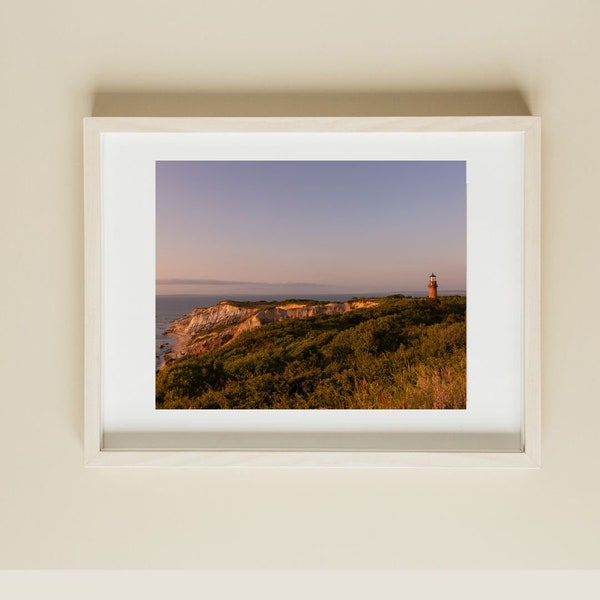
(301, 227)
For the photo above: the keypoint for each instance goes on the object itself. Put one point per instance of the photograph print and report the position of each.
(311, 284)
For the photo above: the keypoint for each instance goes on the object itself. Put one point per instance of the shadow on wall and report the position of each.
(309, 104)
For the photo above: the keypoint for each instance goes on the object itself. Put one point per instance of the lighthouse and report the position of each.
(432, 286)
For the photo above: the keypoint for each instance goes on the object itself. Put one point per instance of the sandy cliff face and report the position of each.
(205, 319)
(205, 329)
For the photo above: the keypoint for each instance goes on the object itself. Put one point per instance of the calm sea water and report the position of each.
(169, 308)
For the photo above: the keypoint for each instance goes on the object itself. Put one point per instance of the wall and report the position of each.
(64, 60)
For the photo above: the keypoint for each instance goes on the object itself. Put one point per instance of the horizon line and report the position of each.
(360, 294)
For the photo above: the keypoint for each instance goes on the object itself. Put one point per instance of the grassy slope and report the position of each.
(403, 353)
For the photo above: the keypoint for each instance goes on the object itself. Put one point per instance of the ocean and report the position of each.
(171, 307)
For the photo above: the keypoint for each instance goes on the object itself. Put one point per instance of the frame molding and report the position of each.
(96, 455)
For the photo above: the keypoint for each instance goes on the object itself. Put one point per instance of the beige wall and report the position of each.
(61, 61)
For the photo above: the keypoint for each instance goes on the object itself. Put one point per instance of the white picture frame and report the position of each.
(108, 144)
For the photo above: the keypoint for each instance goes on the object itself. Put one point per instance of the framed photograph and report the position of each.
(355, 292)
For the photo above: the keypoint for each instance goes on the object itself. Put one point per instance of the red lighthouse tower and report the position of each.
(432, 286)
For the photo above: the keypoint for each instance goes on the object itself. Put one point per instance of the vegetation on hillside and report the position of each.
(403, 353)
(265, 304)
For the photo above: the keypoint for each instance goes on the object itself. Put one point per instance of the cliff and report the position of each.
(205, 329)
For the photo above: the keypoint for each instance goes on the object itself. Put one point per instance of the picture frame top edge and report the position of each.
(325, 124)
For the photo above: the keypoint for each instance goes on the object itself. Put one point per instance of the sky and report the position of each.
(302, 227)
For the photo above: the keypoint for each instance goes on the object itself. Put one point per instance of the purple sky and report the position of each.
(296, 227)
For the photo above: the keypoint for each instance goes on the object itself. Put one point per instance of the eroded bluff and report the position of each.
(205, 329)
